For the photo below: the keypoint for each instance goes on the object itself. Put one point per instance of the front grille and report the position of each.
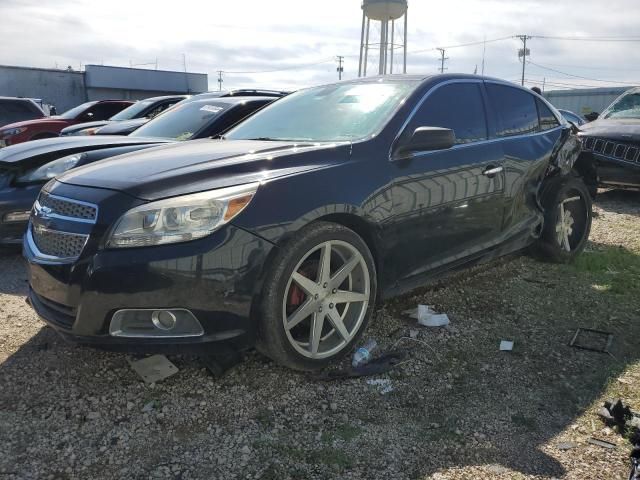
(65, 207)
(608, 148)
(57, 244)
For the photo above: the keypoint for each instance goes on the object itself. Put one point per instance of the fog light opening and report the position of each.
(163, 320)
(153, 323)
(17, 216)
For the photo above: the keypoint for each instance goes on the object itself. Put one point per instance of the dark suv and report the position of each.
(612, 142)
(284, 233)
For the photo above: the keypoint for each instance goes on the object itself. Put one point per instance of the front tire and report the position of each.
(567, 220)
(318, 297)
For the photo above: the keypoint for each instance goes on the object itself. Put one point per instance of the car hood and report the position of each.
(36, 121)
(52, 148)
(200, 165)
(82, 126)
(113, 128)
(622, 129)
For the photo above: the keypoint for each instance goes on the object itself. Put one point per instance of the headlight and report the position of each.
(12, 131)
(180, 219)
(51, 169)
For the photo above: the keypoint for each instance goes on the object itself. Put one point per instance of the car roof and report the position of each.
(231, 100)
(164, 97)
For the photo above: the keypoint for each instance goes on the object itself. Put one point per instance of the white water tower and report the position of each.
(387, 12)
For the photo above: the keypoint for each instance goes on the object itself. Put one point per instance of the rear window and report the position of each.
(516, 110)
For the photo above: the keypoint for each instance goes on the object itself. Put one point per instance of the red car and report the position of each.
(51, 126)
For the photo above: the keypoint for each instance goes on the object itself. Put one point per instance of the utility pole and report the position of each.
(524, 53)
(340, 68)
(220, 80)
(442, 59)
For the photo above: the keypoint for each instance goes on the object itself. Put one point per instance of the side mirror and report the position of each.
(426, 139)
(592, 116)
(88, 115)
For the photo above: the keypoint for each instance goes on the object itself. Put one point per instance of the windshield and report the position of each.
(131, 112)
(326, 114)
(627, 106)
(75, 111)
(182, 121)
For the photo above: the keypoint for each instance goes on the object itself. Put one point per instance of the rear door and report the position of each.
(447, 204)
(527, 131)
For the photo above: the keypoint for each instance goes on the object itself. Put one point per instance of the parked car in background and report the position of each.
(612, 142)
(26, 167)
(574, 118)
(48, 127)
(284, 233)
(13, 109)
(143, 111)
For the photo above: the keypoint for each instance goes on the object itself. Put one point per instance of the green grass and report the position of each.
(614, 270)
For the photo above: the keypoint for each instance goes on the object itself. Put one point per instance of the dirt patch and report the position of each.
(459, 408)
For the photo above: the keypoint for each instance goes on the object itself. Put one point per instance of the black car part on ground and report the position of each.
(286, 232)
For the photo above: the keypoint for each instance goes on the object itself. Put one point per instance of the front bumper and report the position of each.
(15, 200)
(216, 278)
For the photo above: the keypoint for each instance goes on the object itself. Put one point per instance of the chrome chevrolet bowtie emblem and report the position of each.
(43, 212)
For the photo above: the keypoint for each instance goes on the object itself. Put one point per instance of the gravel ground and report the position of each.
(459, 408)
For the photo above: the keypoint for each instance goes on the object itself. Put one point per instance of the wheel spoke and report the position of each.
(338, 324)
(316, 332)
(306, 309)
(344, 272)
(345, 296)
(567, 245)
(309, 286)
(324, 268)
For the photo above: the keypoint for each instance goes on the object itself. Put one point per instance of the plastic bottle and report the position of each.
(363, 354)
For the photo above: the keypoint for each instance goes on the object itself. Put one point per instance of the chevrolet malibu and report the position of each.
(284, 233)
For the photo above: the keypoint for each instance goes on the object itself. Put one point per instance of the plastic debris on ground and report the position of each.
(376, 366)
(154, 369)
(384, 384)
(566, 445)
(506, 346)
(428, 317)
(601, 443)
(363, 354)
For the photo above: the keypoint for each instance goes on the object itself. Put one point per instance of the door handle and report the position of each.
(493, 171)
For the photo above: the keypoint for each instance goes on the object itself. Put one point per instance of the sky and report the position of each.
(301, 39)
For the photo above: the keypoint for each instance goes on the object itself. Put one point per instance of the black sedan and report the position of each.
(142, 111)
(26, 167)
(612, 142)
(286, 232)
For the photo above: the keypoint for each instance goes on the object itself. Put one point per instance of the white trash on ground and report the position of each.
(428, 317)
(384, 384)
(506, 346)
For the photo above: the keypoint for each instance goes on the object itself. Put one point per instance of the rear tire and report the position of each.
(318, 297)
(567, 219)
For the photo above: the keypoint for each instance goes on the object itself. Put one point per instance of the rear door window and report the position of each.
(17, 110)
(516, 110)
(548, 120)
(458, 106)
(104, 111)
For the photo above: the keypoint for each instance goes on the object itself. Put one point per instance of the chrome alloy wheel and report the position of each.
(326, 299)
(564, 226)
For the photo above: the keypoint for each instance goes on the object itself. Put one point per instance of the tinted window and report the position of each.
(182, 121)
(547, 119)
(516, 109)
(104, 111)
(458, 106)
(75, 111)
(136, 110)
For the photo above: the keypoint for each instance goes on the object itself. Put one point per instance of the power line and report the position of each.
(590, 39)
(470, 44)
(581, 77)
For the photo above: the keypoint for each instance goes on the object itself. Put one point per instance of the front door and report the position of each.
(447, 204)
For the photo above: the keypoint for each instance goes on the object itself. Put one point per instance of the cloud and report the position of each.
(250, 36)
